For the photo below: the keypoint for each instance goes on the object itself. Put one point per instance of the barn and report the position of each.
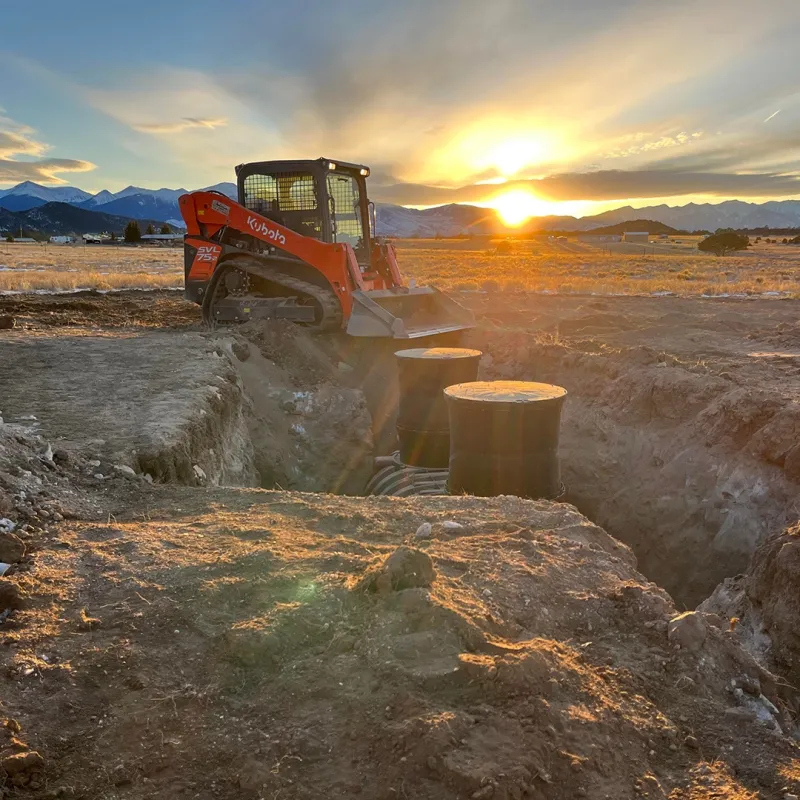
(636, 237)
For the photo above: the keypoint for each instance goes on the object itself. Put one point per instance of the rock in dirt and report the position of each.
(688, 631)
(406, 568)
(12, 548)
(22, 762)
(241, 350)
(6, 322)
(10, 595)
(424, 531)
(61, 456)
(124, 469)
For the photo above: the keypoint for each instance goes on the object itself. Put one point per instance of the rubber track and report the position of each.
(327, 299)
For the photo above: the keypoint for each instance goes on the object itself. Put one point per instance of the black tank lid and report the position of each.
(513, 392)
(439, 353)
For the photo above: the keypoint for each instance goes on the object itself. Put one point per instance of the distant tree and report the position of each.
(722, 243)
(132, 232)
(149, 231)
(165, 228)
(758, 239)
(113, 236)
(9, 238)
(796, 240)
(786, 241)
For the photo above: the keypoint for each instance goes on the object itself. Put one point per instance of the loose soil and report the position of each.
(198, 641)
(248, 644)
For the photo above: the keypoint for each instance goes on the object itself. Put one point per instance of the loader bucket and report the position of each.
(406, 313)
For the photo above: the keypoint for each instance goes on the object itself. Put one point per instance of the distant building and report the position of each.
(162, 237)
(637, 237)
(24, 240)
(92, 238)
(62, 239)
(597, 238)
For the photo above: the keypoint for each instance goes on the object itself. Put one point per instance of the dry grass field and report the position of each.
(573, 267)
(540, 265)
(38, 267)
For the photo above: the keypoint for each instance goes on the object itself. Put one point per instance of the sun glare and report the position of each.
(518, 206)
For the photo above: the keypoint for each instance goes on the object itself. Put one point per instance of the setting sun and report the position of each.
(517, 206)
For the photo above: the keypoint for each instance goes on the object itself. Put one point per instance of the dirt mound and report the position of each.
(786, 334)
(301, 353)
(231, 646)
(163, 404)
(39, 485)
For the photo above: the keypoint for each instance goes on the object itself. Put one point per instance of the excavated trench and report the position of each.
(689, 470)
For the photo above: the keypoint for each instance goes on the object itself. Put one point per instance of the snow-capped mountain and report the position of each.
(162, 195)
(450, 220)
(137, 206)
(710, 216)
(47, 194)
(227, 188)
(99, 199)
(133, 201)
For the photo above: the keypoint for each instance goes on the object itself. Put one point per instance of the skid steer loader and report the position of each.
(300, 245)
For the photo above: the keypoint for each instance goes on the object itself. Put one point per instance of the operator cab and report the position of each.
(324, 199)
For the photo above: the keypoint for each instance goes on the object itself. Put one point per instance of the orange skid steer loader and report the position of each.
(300, 245)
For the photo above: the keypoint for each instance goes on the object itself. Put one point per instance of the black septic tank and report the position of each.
(504, 438)
(422, 421)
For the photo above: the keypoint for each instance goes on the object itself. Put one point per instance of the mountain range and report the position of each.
(132, 202)
(64, 219)
(135, 202)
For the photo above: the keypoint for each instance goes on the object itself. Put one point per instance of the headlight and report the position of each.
(331, 165)
(365, 172)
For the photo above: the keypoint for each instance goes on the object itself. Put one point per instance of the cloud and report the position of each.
(181, 125)
(17, 140)
(639, 146)
(45, 170)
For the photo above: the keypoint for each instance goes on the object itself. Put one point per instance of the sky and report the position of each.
(531, 106)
